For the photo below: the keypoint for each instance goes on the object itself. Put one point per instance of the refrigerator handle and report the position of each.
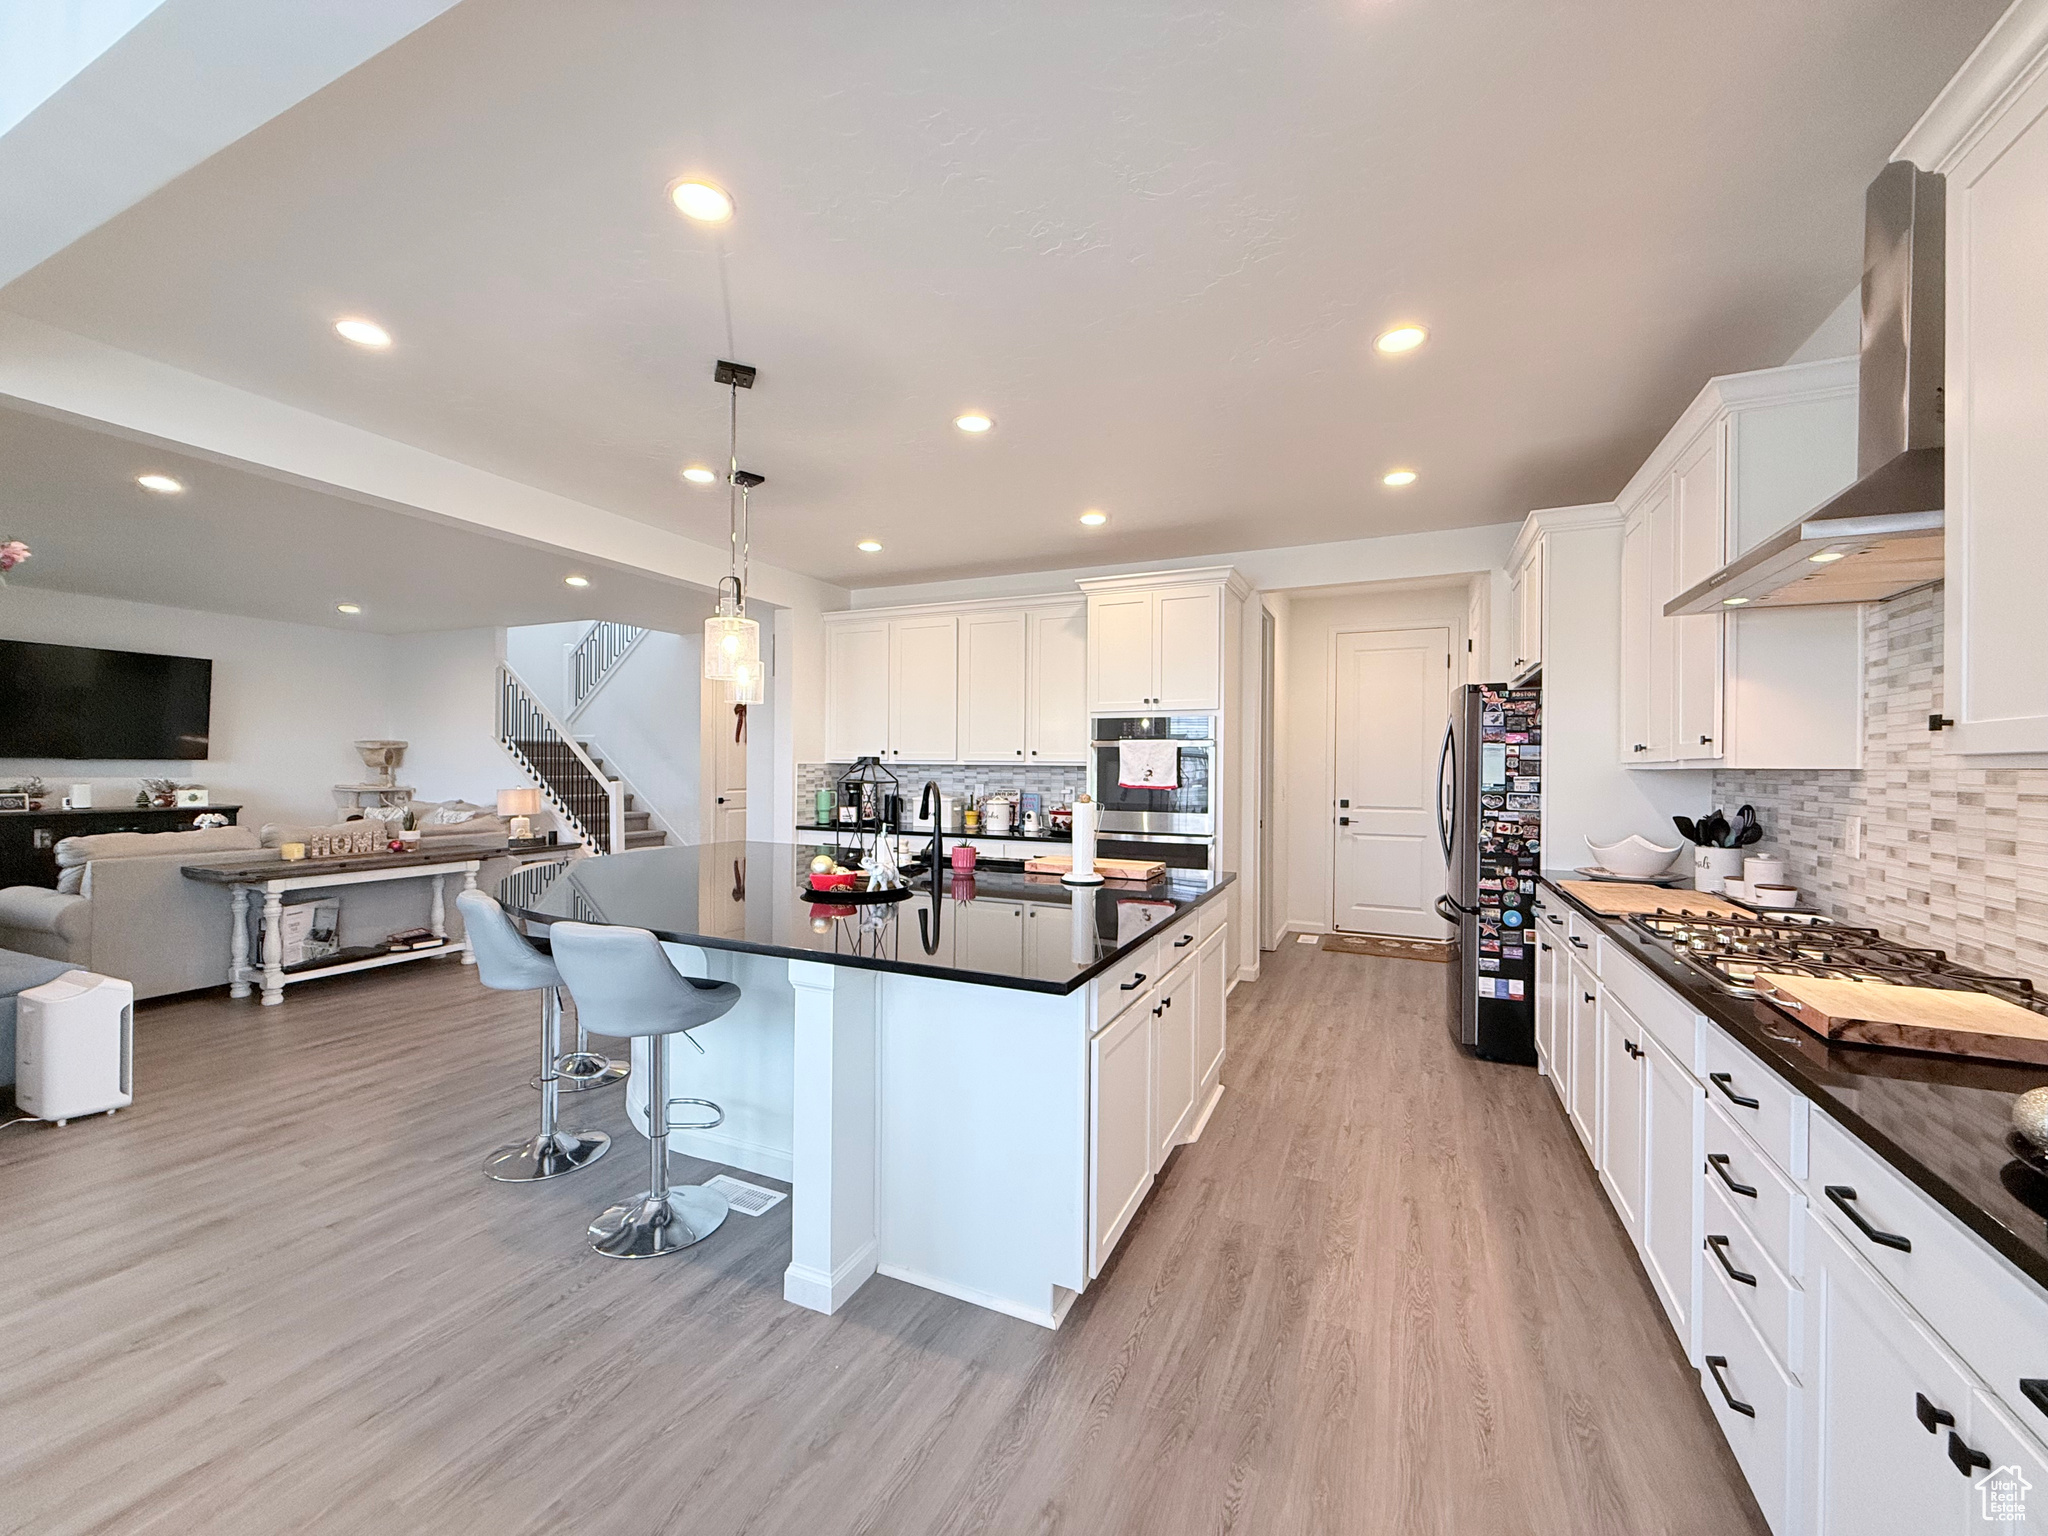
(1446, 788)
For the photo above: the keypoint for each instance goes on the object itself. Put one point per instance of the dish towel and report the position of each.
(1148, 765)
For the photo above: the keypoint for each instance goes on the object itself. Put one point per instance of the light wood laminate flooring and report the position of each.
(1382, 1294)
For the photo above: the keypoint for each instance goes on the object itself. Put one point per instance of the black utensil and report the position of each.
(1687, 828)
(1714, 829)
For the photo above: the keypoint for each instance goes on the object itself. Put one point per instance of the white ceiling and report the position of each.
(237, 542)
(1153, 239)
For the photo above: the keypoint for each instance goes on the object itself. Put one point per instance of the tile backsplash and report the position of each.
(1955, 854)
(1057, 784)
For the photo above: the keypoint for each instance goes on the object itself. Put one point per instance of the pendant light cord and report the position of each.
(735, 508)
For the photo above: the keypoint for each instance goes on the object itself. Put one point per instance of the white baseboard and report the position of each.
(813, 1288)
(1002, 1304)
(750, 1156)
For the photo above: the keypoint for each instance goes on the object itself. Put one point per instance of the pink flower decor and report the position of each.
(12, 553)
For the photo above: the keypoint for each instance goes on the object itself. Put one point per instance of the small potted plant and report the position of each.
(409, 829)
(158, 794)
(36, 790)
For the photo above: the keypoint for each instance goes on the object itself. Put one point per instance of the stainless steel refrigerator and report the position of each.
(1490, 821)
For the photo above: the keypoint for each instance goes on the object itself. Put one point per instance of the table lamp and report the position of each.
(519, 805)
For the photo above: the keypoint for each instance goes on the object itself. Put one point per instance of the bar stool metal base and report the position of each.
(580, 1071)
(544, 1157)
(650, 1225)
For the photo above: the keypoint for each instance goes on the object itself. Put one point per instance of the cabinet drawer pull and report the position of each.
(1718, 1245)
(1716, 1364)
(1718, 1161)
(1184, 941)
(1579, 943)
(1134, 983)
(1633, 1049)
(1931, 1418)
(1589, 997)
(1967, 1457)
(1555, 918)
(2035, 1391)
(1842, 1195)
(1543, 946)
(1721, 1080)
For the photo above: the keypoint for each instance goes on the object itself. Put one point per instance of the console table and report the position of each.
(270, 879)
(28, 839)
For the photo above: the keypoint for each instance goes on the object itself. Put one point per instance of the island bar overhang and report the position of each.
(929, 1082)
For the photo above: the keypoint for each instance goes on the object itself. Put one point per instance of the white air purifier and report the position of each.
(74, 1046)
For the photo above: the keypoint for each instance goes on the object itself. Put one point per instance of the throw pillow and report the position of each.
(448, 816)
(71, 882)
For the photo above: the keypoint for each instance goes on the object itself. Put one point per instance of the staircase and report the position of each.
(640, 829)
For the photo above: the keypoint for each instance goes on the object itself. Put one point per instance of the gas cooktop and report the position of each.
(1730, 951)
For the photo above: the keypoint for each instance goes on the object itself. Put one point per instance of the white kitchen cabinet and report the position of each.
(857, 690)
(1174, 1015)
(1879, 1386)
(1549, 993)
(1525, 608)
(1056, 715)
(1758, 1406)
(1762, 688)
(1156, 642)
(1996, 398)
(1212, 987)
(1582, 1106)
(1120, 1163)
(1997, 1437)
(1621, 1161)
(988, 936)
(924, 681)
(1674, 1121)
(994, 648)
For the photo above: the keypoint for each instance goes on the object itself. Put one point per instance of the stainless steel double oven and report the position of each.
(1175, 826)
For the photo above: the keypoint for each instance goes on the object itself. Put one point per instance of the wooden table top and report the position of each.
(445, 851)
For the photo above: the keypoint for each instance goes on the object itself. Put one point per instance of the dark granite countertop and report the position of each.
(1941, 1121)
(746, 896)
(984, 837)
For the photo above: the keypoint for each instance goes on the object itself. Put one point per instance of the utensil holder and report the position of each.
(1712, 867)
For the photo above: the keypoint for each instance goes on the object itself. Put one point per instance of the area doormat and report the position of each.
(1388, 948)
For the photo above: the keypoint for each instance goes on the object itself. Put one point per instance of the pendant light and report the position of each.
(732, 641)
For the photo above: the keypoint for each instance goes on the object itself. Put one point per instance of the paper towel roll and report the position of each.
(1086, 815)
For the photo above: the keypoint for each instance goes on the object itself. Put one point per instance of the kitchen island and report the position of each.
(971, 1090)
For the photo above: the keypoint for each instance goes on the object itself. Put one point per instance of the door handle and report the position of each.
(1706, 741)
(1721, 1080)
(1843, 1196)
(1716, 1364)
(1967, 1457)
(1717, 1244)
(1718, 1161)
(1343, 821)
(1589, 997)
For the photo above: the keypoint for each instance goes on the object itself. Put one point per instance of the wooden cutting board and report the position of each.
(1612, 900)
(1109, 869)
(1912, 1018)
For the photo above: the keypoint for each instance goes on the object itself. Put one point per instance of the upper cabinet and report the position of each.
(1776, 688)
(1156, 642)
(1525, 605)
(971, 683)
(1988, 133)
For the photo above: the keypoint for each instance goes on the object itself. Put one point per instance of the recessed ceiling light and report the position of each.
(868, 547)
(348, 608)
(364, 333)
(697, 474)
(1733, 602)
(974, 421)
(163, 485)
(1398, 477)
(704, 201)
(1402, 338)
(1827, 556)
(1093, 519)
(575, 581)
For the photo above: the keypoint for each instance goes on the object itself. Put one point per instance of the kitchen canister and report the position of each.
(1712, 866)
(1765, 870)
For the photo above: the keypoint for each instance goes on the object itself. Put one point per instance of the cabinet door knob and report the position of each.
(1931, 1418)
(1706, 741)
(1641, 747)
(1967, 1457)
(1589, 997)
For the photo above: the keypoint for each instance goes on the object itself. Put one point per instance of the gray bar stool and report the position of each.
(624, 986)
(508, 961)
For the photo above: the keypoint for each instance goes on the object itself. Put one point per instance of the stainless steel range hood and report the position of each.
(1883, 534)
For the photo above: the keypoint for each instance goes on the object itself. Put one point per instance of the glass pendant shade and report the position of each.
(747, 685)
(732, 641)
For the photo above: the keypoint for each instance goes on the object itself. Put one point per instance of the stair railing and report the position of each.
(591, 662)
(593, 806)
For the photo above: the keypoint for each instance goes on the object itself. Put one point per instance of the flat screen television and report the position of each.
(66, 701)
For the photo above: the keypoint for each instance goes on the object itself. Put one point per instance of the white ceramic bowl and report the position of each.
(1635, 857)
(1774, 895)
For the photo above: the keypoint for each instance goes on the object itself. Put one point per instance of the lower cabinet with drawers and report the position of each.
(1155, 1065)
(1874, 1366)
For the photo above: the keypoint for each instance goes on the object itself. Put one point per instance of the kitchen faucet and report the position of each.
(928, 805)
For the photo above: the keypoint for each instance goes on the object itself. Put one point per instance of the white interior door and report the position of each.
(1393, 696)
(723, 769)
